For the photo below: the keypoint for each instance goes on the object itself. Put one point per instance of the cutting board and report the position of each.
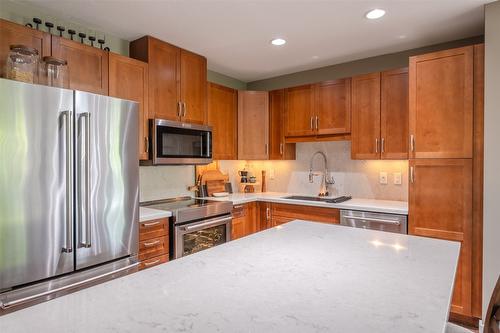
(214, 186)
(213, 175)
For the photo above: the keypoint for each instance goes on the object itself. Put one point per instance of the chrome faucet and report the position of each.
(326, 181)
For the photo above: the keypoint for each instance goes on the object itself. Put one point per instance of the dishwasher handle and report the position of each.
(372, 219)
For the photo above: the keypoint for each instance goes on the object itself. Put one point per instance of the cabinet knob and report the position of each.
(49, 26)
(71, 32)
(37, 21)
(82, 36)
(61, 29)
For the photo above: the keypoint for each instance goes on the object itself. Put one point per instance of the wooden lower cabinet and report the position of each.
(244, 220)
(153, 243)
(283, 213)
(440, 206)
(264, 215)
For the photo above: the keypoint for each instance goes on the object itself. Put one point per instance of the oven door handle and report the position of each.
(207, 224)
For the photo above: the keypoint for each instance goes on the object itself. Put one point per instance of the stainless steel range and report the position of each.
(197, 224)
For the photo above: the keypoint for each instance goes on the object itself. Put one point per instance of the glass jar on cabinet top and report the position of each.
(22, 64)
(54, 72)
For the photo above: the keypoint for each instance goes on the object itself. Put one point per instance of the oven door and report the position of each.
(181, 143)
(194, 237)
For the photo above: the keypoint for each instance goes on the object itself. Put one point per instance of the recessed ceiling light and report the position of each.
(278, 41)
(375, 14)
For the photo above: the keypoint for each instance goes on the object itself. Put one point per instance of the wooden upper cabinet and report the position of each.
(332, 107)
(394, 114)
(193, 85)
(299, 104)
(223, 117)
(441, 104)
(253, 125)
(15, 34)
(164, 74)
(278, 149)
(365, 117)
(87, 66)
(128, 79)
(440, 206)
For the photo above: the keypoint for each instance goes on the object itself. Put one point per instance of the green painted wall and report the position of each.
(23, 13)
(363, 66)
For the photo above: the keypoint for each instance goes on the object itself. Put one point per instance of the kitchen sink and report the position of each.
(320, 199)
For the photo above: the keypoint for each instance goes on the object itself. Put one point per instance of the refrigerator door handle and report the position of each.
(88, 231)
(68, 248)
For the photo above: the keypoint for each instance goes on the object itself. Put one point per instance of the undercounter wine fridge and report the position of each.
(69, 189)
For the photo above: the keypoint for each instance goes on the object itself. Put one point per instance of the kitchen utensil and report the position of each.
(54, 72)
(253, 179)
(264, 187)
(61, 29)
(107, 49)
(49, 26)
(71, 32)
(82, 36)
(37, 21)
(220, 194)
(214, 186)
(29, 25)
(22, 64)
(244, 176)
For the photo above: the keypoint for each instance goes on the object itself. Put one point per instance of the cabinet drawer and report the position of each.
(316, 214)
(239, 211)
(153, 262)
(153, 247)
(153, 229)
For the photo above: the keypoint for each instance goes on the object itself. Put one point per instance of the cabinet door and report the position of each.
(193, 87)
(299, 102)
(164, 63)
(13, 33)
(365, 133)
(128, 79)
(87, 66)
(394, 115)
(253, 125)
(244, 220)
(278, 149)
(264, 215)
(333, 107)
(222, 116)
(441, 104)
(440, 206)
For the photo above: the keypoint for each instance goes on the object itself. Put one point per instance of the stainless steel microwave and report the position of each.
(180, 143)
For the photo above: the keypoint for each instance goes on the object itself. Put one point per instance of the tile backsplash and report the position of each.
(165, 181)
(357, 178)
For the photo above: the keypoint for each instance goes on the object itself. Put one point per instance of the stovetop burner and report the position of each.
(187, 209)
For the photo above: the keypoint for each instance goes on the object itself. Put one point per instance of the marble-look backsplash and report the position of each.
(357, 178)
(165, 181)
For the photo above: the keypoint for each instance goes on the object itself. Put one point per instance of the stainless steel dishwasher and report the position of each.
(376, 221)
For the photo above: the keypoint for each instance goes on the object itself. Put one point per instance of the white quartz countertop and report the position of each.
(148, 214)
(297, 277)
(370, 205)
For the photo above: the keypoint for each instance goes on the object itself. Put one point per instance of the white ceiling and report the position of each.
(234, 34)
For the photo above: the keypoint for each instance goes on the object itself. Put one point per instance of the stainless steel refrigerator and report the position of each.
(69, 182)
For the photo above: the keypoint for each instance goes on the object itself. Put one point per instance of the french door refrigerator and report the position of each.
(69, 181)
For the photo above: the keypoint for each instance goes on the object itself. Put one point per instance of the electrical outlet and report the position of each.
(382, 178)
(397, 178)
(271, 174)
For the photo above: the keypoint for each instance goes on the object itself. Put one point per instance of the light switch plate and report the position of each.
(397, 178)
(383, 178)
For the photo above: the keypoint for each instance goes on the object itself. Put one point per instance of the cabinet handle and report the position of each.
(151, 224)
(312, 126)
(179, 109)
(268, 214)
(412, 175)
(146, 142)
(412, 143)
(152, 262)
(152, 243)
(281, 149)
(317, 123)
(376, 145)
(382, 145)
(267, 149)
(184, 109)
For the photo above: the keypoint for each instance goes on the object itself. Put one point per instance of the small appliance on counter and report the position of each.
(244, 176)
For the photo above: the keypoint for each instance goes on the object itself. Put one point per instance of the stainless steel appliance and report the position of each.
(197, 224)
(69, 197)
(180, 143)
(377, 221)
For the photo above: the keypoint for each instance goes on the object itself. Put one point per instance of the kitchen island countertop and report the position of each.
(297, 277)
(370, 205)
